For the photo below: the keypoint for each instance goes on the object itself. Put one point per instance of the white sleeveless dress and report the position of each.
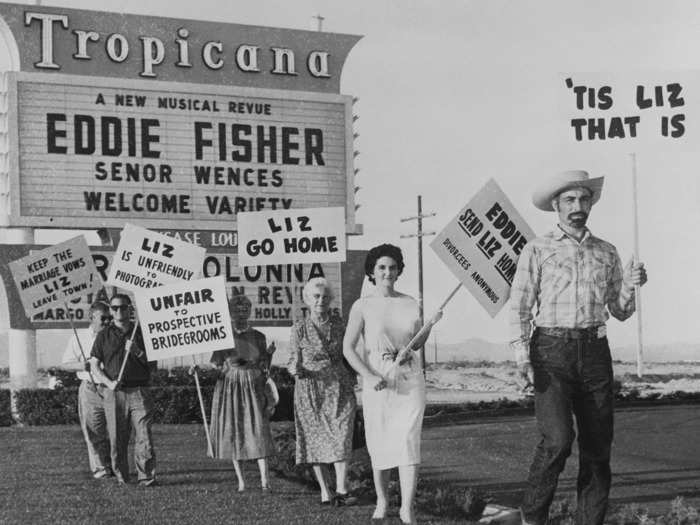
(393, 416)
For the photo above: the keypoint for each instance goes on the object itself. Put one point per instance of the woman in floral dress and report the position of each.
(324, 393)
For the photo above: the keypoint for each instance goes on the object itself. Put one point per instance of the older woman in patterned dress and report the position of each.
(324, 393)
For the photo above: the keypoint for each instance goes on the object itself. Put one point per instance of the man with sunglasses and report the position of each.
(90, 409)
(128, 401)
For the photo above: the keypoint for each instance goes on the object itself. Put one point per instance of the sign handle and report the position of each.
(126, 355)
(427, 326)
(80, 345)
(637, 288)
(210, 448)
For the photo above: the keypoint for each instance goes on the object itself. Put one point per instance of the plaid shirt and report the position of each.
(572, 283)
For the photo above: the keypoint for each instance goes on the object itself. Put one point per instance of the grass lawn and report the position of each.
(45, 479)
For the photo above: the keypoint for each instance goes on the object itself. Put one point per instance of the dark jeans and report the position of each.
(128, 408)
(573, 377)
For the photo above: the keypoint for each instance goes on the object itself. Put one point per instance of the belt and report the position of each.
(590, 333)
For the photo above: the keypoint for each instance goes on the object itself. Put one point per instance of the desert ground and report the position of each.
(458, 382)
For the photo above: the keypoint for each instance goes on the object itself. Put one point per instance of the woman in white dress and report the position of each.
(393, 397)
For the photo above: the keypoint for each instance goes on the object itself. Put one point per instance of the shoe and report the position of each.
(147, 482)
(99, 474)
(327, 502)
(344, 500)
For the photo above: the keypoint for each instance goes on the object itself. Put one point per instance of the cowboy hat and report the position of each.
(566, 180)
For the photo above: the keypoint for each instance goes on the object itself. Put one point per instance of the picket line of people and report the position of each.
(567, 285)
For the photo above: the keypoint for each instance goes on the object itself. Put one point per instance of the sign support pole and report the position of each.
(126, 355)
(637, 288)
(80, 345)
(402, 353)
(210, 448)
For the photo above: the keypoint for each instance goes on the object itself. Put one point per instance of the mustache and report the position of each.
(578, 216)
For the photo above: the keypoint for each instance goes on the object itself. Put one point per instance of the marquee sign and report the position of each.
(91, 43)
(166, 123)
(104, 152)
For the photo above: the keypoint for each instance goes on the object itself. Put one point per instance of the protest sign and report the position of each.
(313, 235)
(628, 110)
(481, 246)
(185, 318)
(55, 275)
(146, 259)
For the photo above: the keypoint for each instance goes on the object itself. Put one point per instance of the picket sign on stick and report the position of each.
(80, 345)
(126, 355)
(637, 288)
(210, 448)
(427, 326)
(146, 259)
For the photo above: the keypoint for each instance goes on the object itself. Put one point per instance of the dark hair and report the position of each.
(239, 298)
(383, 250)
(99, 306)
(125, 298)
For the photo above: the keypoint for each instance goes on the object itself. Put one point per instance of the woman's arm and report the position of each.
(352, 335)
(293, 365)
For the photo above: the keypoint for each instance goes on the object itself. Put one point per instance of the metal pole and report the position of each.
(637, 289)
(420, 278)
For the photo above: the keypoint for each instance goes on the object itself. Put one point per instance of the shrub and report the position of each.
(5, 408)
(180, 404)
(180, 376)
(682, 513)
(562, 512)
(173, 404)
(47, 407)
(443, 499)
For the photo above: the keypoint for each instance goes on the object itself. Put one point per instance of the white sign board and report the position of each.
(146, 259)
(55, 275)
(629, 111)
(185, 318)
(481, 246)
(314, 235)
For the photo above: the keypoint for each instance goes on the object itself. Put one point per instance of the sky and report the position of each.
(456, 92)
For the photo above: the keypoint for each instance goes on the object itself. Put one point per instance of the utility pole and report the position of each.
(435, 346)
(420, 234)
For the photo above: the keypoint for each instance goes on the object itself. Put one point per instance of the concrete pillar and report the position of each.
(22, 358)
(21, 343)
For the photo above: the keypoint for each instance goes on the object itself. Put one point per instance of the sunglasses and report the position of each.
(117, 307)
(105, 318)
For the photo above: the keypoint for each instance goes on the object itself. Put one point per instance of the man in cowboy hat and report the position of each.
(577, 281)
